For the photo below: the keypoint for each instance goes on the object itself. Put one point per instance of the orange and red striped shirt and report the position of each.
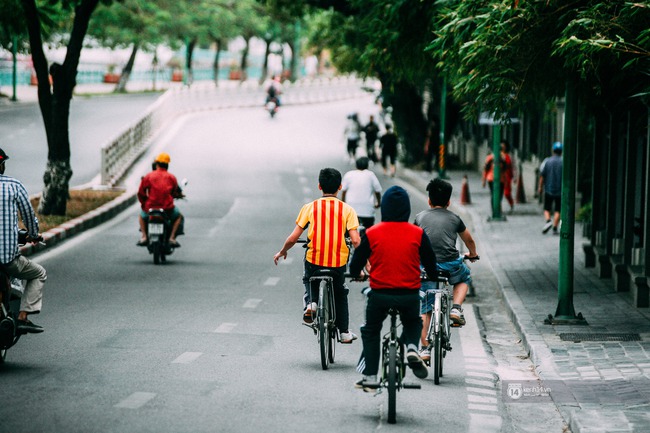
(328, 218)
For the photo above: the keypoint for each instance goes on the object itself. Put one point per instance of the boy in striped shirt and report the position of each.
(326, 220)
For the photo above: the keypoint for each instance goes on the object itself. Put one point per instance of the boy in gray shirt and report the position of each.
(442, 227)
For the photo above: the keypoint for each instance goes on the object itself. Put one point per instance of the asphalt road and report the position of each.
(212, 341)
(93, 122)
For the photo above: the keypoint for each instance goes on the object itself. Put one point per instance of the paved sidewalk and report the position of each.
(598, 386)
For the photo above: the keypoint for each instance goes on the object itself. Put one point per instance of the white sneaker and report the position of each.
(456, 316)
(425, 354)
(547, 226)
(348, 337)
(310, 313)
(365, 381)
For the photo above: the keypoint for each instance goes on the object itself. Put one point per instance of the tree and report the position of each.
(54, 101)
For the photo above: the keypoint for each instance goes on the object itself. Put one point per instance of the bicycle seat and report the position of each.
(323, 273)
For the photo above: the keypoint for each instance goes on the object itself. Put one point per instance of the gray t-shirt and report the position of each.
(442, 227)
(552, 173)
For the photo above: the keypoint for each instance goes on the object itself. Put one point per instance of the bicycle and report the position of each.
(393, 365)
(439, 332)
(324, 326)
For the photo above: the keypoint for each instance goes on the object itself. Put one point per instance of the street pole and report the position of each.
(14, 52)
(565, 313)
(442, 172)
(496, 167)
(295, 58)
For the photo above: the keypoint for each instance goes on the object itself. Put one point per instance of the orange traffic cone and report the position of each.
(464, 192)
(521, 194)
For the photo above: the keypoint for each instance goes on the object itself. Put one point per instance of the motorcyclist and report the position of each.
(274, 90)
(158, 189)
(13, 200)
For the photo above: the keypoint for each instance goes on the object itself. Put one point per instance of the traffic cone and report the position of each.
(464, 192)
(521, 194)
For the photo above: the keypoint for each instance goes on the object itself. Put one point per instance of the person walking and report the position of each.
(352, 134)
(360, 189)
(371, 130)
(509, 174)
(388, 145)
(14, 200)
(488, 175)
(550, 181)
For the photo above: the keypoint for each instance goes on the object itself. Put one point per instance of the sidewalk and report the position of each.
(598, 383)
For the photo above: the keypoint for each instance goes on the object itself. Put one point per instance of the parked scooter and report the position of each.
(11, 291)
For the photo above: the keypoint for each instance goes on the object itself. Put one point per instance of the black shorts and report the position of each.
(550, 201)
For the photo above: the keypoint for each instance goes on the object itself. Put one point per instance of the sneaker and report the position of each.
(416, 364)
(310, 313)
(348, 337)
(456, 316)
(365, 381)
(425, 354)
(547, 226)
(555, 232)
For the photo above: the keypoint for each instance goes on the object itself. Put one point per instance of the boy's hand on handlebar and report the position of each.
(361, 277)
(472, 258)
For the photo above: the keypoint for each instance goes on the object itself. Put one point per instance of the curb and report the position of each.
(58, 234)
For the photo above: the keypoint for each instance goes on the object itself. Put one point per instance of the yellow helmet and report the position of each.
(163, 158)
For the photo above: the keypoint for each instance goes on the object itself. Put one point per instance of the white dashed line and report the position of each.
(252, 303)
(136, 400)
(306, 190)
(225, 328)
(271, 281)
(286, 261)
(187, 357)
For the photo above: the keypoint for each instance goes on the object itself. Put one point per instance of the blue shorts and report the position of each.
(459, 273)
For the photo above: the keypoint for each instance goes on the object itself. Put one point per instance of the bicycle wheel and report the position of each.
(323, 325)
(392, 384)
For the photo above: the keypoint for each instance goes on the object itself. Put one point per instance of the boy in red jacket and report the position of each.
(395, 248)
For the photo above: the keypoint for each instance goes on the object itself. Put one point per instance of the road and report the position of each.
(93, 121)
(212, 341)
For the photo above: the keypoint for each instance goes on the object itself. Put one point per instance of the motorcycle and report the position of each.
(11, 291)
(272, 107)
(159, 228)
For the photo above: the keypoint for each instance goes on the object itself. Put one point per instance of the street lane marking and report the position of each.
(486, 383)
(481, 399)
(306, 190)
(252, 303)
(481, 390)
(136, 400)
(302, 179)
(485, 407)
(225, 328)
(271, 281)
(286, 261)
(187, 357)
(479, 374)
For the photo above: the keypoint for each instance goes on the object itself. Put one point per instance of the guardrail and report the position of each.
(120, 153)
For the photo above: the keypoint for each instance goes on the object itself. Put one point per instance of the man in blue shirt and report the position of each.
(14, 199)
(550, 180)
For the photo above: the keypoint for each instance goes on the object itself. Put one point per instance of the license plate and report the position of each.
(156, 229)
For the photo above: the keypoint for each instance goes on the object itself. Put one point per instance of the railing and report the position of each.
(119, 154)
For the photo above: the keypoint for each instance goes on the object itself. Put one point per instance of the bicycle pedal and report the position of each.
(411, 386)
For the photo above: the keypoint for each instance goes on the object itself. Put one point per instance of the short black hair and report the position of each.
(329, 180)
(439, 192)
(163, 165)
(362, 163)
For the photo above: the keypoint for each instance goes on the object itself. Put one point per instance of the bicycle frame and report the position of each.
(439, 333)
(324, 326)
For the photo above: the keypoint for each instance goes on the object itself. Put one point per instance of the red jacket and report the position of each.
(157, 190)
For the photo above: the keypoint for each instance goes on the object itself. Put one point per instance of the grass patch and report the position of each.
(79, 203)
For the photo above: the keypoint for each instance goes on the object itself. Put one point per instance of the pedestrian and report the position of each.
(443, 227)
(550, 181)
(394, 249)
(327, 219)
(429, 147)
(509, 173)
(371, 130)
(352, 134)
(488, 176)
(362, 191)
(388, 145)
(14, 200)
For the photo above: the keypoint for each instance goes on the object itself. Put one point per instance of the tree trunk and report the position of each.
(126, 71)
(215, 66)
(265, 66)
(244, 59)
(410, 122)
(188, 61)
(54, 102)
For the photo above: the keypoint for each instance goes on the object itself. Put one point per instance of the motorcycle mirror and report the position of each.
(184, 182)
